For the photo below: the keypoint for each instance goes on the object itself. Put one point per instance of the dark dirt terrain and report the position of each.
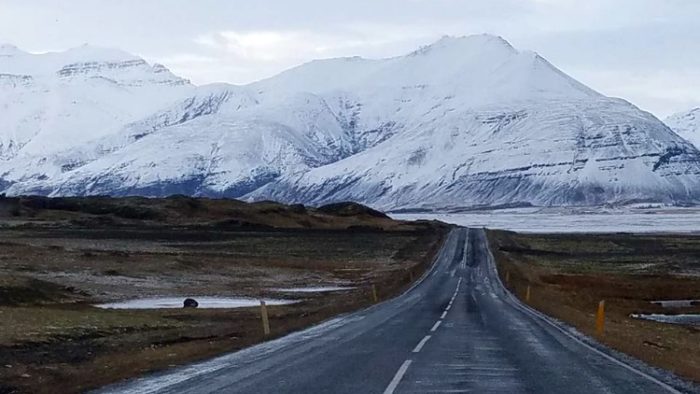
(58, 257)
(569, 274)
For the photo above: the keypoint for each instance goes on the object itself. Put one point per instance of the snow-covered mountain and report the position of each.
(54, 101)
(687, 125)
(462, 122)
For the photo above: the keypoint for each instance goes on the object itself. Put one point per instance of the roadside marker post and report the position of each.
(507, 278)
(374, 294)
(600, 319)
(527, 294)
(265, 319)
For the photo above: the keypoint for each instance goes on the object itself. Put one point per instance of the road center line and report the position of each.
(435, 327)
(421, 344)
(397, 378)
(443, 315)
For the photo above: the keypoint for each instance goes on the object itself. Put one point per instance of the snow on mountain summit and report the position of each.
(52, 101)
(465, 121)
(486, 65)
(472, 121)
(7, 50)
(687, 125)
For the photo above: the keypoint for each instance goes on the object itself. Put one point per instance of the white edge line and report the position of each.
(537, 314)
(397, 378)
(421, 344)
(171, 377)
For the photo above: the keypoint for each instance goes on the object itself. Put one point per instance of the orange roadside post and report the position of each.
(527, 294)
(600, 318)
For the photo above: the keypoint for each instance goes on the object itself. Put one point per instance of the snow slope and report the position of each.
(55, 101)
(687, 125)
(462, 122)
(220, 142)
(480, 123)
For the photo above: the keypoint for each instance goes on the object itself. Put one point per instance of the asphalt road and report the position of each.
(457, 330)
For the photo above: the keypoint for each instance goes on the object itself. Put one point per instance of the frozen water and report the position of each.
(204, 302)
(537, 220)
(692, 319)
(317, 289)
(676, 303)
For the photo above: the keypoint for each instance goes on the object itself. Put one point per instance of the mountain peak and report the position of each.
(9, 50)
(686, 124)
(691, 113)
(87, 52)
(468, 44)
(484, 38)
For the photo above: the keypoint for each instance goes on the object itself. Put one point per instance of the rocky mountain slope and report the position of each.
(463, 122)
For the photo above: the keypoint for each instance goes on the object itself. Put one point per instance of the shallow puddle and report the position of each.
(317, 289)
(676, 303)
(204, 302)
(687, 319)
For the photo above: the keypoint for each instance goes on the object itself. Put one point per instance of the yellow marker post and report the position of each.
(265, 319)
(600, 319)
(374, 293)
(527, 294)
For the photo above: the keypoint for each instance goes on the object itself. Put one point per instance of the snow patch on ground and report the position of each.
(686, 319)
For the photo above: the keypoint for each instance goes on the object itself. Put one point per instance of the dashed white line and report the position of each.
(435, 327)
(443, 315)
(421, 344)
(397, 378)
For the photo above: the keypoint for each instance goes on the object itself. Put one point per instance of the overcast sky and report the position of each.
(646, 51)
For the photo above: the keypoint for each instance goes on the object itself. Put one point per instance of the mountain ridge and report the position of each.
(687, 125)
(465, 121)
